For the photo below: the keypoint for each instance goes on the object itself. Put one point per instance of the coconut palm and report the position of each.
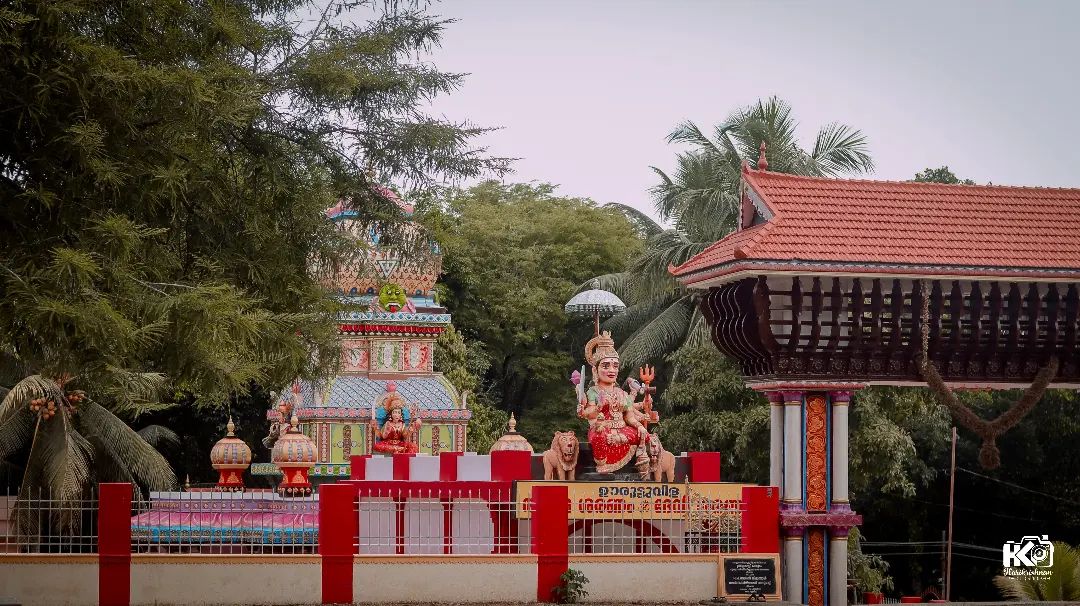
(1061, 585)
(71, 441)
(700, 200)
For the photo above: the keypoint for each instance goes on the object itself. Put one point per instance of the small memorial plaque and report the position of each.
(747, 576)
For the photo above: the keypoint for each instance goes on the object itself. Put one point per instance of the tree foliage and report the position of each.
(463, 365)
(941, 174)
(164, 171)
(514, 254)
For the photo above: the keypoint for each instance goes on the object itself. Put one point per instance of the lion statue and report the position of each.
(661, 462)
(561, 459)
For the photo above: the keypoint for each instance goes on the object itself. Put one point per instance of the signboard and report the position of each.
(743, 575)
(643, 500)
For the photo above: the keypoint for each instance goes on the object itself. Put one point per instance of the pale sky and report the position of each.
(586, 91)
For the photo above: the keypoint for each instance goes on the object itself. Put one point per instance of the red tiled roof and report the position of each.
(851, 226)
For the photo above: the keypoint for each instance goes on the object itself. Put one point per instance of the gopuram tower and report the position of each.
(387, 363)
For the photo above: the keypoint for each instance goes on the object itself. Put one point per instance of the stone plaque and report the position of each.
(749, 575)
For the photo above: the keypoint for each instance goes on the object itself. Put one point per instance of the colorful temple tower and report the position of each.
(387, 355)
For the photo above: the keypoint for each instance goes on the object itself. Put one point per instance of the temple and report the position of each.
(831, 285)
(387, 349)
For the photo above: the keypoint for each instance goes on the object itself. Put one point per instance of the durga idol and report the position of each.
(617, 424)
(397, 434)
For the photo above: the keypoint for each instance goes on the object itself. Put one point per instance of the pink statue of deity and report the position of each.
(617, 424)
(395, 435)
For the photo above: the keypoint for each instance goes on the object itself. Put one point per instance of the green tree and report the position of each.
(164, 171)
(463, 365)
(941, 175)
(514, 255)
(701, 201)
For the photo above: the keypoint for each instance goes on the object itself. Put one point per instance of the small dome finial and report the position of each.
(294, 422)
(230, 427)
(512, 423)
(595, 285)
(762, 161)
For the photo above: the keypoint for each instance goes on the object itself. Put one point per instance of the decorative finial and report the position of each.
(294, 422)
(762, 162)
(595, 285)
(391, 386)
(512, 424)
(187, 482)
(230, 427)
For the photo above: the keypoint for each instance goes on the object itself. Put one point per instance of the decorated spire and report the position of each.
(762, 161)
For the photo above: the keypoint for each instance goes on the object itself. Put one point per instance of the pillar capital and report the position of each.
(841, 396)
(792, 397)
(776, 398)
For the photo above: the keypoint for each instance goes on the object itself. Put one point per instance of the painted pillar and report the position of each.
(792, 447)
(809, 441)
(793, 565)
(776, 440)
(816, 464)
(793, 493)
(840, 403)
(838, 572)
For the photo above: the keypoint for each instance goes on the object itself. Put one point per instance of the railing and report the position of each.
(420, 518)
(41, 521)
(258, 522)
(392, 518)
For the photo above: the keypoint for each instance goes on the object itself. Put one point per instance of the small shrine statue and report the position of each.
(398, 434)
(285, 408)
(617, 424)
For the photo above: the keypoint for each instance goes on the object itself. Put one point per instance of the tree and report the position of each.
(701, 200)
(941, 175)
(513, 256)
(463, 365)
(164, 171)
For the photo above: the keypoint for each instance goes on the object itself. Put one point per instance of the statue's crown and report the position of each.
(600, 347)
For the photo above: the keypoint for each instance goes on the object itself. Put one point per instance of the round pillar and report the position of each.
(838, 572)
(793, 566)
(793, 447)
(840, 405)
(776, 440)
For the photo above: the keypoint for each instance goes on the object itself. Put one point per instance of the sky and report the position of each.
(585, 92)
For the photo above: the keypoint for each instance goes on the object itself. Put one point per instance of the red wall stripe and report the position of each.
(114, 544)
(337, 512)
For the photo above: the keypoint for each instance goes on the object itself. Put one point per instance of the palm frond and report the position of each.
(660, 336)
(159, 436)
(65, 455)
(125, 446)
(650, 268)
(623, 325)
(840, 149)
(641, 222)
(16, 431)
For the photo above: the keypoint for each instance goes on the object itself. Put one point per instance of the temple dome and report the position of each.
(512, 440)
(230, 452)
(294, 449)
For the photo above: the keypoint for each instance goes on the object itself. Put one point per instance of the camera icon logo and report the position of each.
(1029, 552)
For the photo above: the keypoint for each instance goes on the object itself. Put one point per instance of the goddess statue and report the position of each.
(617, 424)
(397, 435)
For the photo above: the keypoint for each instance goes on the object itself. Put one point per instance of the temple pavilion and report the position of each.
(831, 285)
(389, 346)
